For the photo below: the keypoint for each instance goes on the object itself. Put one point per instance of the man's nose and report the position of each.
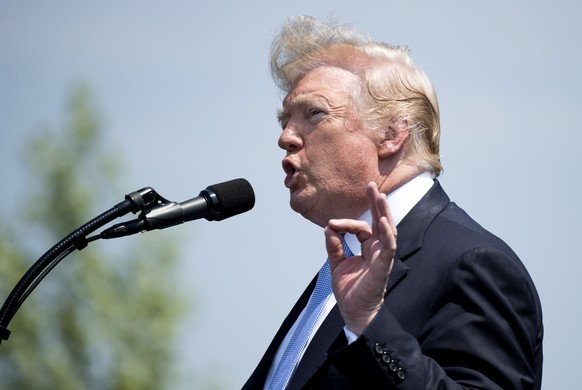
(290, 139)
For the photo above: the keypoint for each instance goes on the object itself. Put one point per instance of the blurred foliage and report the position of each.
(98, 320)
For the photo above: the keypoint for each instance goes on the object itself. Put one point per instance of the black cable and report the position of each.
(75, 240)
(42, 275)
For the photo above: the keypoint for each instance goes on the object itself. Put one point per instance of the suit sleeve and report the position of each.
(483, 331)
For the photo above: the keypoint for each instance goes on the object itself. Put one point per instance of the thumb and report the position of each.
(333, 245)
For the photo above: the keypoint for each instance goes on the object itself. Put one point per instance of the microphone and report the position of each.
(215, 203)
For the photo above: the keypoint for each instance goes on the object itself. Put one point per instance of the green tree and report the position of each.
(99, 320)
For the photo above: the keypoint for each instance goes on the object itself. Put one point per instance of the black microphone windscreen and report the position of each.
(234, 197)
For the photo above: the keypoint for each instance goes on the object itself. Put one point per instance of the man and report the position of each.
(423, 297)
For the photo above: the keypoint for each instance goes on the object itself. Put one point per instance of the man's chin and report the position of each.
(296, 205)
(299, 202)
(306, 208)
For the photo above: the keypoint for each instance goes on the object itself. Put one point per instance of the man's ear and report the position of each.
(394, 139)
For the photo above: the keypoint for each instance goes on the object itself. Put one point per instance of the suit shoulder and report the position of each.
(455, 228)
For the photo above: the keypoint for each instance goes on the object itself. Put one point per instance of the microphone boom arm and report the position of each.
(134, 202)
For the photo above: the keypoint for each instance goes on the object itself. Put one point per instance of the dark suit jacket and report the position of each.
(460, 311)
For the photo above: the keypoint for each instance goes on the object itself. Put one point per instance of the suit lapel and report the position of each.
(316, 353)
(412, 228)
(259, 376)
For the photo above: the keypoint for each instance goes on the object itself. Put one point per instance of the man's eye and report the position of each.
(315, 112)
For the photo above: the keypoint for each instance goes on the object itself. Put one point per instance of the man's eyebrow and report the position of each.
(282, 115)
(307, 99)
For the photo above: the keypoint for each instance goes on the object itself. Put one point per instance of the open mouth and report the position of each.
(290, 171)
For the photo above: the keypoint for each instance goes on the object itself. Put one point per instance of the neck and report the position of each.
(398, 176)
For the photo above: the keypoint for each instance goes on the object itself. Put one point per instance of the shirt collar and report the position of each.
(400, 201)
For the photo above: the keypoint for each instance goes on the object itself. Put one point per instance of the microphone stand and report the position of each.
(134, 202)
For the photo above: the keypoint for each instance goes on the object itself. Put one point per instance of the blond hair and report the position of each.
(393, 91)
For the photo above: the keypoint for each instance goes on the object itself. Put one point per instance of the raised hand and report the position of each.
(359, 282)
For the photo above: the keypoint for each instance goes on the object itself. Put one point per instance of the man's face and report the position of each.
(330, 157)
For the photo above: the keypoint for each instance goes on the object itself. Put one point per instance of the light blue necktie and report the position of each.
(305, 328)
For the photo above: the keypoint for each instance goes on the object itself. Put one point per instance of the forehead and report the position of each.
(326, 83)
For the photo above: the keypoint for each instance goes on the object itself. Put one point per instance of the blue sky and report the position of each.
(185, 96)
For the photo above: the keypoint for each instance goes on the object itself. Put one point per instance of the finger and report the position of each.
(334, 247)
(387, 238)
(384, 211)
(388, 244)
(378, 207)
(372, 194)
(361, 229)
